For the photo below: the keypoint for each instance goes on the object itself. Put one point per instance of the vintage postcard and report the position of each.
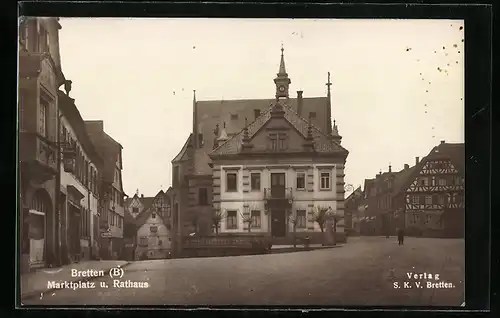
(214, 162)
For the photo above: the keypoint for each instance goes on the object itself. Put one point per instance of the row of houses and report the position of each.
(426, 199)
(71, 194)
(258, 163)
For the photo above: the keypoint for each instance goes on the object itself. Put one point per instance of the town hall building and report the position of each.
(260, 163)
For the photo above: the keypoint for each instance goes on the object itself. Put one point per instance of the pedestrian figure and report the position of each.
(401, 236)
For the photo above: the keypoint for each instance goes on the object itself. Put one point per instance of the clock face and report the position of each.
(282, 88)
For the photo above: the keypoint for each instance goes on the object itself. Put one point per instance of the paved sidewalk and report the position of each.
(36, 283)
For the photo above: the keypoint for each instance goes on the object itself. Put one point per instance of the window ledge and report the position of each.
(325, 189)
(301, 189)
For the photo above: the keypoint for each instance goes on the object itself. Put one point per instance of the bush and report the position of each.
(144, 256)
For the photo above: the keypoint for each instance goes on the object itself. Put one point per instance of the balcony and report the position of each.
(37, 156)
(278, 194)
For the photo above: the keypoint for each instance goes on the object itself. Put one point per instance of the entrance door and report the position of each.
(74, 232)
(278, 185)
(278, 223)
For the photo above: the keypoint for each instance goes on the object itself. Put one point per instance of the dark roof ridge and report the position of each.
(290, 109)
(253, 99)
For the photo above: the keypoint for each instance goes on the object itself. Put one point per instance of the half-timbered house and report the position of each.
(151, 218)
(434, 196)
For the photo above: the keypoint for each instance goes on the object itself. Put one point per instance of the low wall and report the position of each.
(225, 244)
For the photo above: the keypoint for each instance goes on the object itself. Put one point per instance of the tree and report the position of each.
(217, 218)
(293, 219)
(247, 219)
(320, 217)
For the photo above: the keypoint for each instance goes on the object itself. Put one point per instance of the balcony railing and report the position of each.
(35, 149)
(278, 193)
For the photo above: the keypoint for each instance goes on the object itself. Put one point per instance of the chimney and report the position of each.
(417, 160)
(443, 141)
(142, 196)
(299, 102)
(390, 170)
(407, 166)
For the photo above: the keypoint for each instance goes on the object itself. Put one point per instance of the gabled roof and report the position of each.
(452, 151)
(217, 112)
(233, 112)
(455, 152)
(322, 142)
(107, 147)
(147, 202)
(401, 178)
(75, 120)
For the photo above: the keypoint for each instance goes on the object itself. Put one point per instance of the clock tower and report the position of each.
(282, 81)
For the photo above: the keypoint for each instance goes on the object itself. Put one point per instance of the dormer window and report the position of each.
(312, 114)
(256, 113)
(277, 141)
(135, 210)
(234, 116)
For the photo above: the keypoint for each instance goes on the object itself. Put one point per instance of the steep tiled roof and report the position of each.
(322, 143)
(107, 147)
(182, 154)
(211, 113)
(74, 118)
(233, 113)
(147, 202)
(401, 178)
(455, 152)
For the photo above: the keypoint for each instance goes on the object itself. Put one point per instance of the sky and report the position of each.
(397, 85)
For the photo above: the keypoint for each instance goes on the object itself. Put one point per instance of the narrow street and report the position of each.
(362, 272)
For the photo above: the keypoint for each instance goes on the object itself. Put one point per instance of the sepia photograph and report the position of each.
(244, 162)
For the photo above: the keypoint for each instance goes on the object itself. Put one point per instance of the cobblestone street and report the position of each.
(362, 272)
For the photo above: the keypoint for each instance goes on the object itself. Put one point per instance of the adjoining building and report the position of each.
(426, 199)
(40, 76)
(261, 159)
(435, 194)
(151, 218)
(79, 186)
(113, 196)
(351, 205)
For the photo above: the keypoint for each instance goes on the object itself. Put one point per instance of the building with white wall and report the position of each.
(261, 155)
(79, 185)
(151, 217)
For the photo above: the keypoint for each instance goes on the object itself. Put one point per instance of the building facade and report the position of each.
(381, 210)
(259, 163)
(79, 186)
(435, 195)
(151, 217)
(352, 203)
(40, 76)
(113, 197)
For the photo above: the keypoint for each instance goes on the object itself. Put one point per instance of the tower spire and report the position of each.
(282, 70)
(282, 81)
